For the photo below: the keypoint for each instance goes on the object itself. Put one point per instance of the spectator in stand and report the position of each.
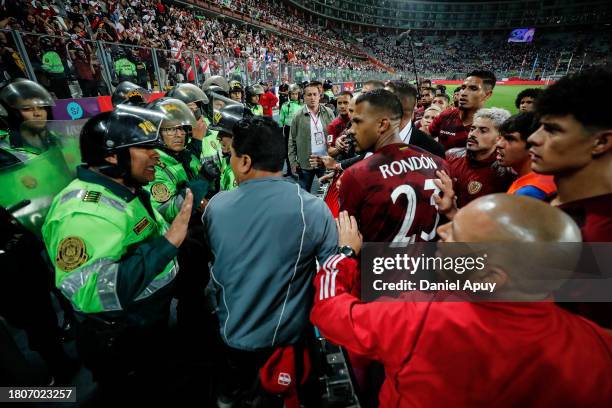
(526, 99)
(85, 72)
(451, 127)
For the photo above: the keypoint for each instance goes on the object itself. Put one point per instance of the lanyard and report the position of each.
(314, 122)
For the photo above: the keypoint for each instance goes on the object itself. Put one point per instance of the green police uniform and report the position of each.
(288, 111)
(107, 246)
(171, 177)
(52, 63)
(330, 94)
(256, 109)
(125, 68)
(211, 153)
(228, 179)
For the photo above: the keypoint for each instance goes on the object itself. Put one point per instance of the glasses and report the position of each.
(172, 130)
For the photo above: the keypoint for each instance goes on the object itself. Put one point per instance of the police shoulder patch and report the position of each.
(142, 225)
(71, 253)
(92, 197)
(474, 187)
(160, 192)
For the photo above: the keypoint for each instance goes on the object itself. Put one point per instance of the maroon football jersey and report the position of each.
(390, 194)
(335, 129)
(594, 217)
(449, 129)
(473, 179)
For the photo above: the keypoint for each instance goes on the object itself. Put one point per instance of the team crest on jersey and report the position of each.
(474, 187)
(71, 253)
(160, 192)
(29, 182)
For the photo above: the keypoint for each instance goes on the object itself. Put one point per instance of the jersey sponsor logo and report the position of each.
(398, 167)
(71, 253)
(447, 133)
(160, 192)
(141, 226)
(29, 182)
(474, 187)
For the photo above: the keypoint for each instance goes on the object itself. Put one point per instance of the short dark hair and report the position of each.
(443, 95)
(376, 84)
(262, 139)
(457, 89)
(313, 84)
(403, 89)
(573, 95)
(425, 81)
(527, 93)
(488, 77)
(430, 89)
(524, 123)
(345, 93)
(383, 100)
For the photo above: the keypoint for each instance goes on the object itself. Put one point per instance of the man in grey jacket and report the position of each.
(265, 236)
(307, 136)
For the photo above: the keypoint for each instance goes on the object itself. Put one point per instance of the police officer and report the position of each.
(253, 93)
(223, 124)
(236, 92)
(113, 254)
(125, 69)
(197, 101)
(178, 168)
(129, 93)
(287, 112)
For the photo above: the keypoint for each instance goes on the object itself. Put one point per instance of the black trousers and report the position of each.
(286, 130)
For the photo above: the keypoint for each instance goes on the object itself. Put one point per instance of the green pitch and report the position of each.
(504, 96)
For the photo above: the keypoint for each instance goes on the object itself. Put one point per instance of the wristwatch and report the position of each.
(348, 251)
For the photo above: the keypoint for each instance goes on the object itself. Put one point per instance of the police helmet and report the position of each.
(295, 88)
(23, 94)
(217, 80)
(175, 113)
(129, 93)
(225, 119)
(115, 132)
(253, 90)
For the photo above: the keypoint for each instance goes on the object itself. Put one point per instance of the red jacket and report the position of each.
(461, 354)
(268, 101)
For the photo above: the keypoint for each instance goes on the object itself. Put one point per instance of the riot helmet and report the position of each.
(128, 93)
(252, 91)
(22, 96)
(193, 96)
(177, 123)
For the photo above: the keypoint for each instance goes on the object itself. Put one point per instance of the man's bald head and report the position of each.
(526, 241)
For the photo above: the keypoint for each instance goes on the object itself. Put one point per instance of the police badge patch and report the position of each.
(29, 182)
(160, 192)
(70, 253)
(474, 187)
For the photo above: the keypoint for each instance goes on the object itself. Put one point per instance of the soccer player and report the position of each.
(513, 151)
(526, 99)
(390, 192)
(476, 170)
(442, 101)
(451, 128)
(574, 144)
(427, 96)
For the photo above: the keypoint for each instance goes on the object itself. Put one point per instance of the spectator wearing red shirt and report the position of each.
(435, 353)
(268, 100)
(451, 127)
(513, 151)
(338, 125)
(475, 170)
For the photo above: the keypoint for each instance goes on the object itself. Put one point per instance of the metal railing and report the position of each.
(80, 67)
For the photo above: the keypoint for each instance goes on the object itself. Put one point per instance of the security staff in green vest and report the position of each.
(54, 69)
(178, 169)
(253, 93)
(196, 100)
(224, 123)
(287, 112)
(130, 94)
(125, 69)
(114, 255)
